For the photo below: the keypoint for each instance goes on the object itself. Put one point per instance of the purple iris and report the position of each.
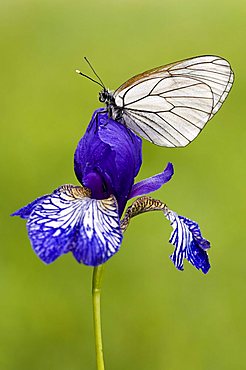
(85, 220)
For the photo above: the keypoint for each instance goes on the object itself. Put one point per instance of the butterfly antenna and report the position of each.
(89, 78)
(95, 73)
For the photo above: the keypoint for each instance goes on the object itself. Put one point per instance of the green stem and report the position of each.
(140, 205)
(96, 295)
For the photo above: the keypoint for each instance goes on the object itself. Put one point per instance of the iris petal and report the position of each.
(153, 183)
(99, 236)
(188, 241)
(67, 220)
(107, 158)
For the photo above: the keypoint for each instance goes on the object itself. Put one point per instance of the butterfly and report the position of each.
(171, 104)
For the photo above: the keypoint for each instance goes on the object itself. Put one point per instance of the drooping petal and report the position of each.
(188, 242)
(101, 226)
(107, 158)
(152, 183)
(68, 220)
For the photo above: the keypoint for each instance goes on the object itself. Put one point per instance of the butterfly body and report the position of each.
(107, 97)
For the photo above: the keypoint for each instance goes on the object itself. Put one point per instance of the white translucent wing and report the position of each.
(68, 220)
(170, 105)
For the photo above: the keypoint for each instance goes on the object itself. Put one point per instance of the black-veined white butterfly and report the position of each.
(171, 104)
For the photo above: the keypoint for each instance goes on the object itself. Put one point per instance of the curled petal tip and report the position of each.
(153, 183)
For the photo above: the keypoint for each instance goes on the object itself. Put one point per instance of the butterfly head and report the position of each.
(107, 97)
(103, 96)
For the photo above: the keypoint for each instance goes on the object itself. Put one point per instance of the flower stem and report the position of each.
(96, 295)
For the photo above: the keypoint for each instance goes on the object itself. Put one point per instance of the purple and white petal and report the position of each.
(153, 183)
(99, 235)
(188, 241)
(194, 228)
(67, 220)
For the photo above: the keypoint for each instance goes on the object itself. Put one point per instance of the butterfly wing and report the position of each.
(170, 105)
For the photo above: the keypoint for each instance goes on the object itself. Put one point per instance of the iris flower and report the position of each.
(87, 220)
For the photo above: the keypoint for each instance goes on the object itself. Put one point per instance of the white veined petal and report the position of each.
(180, 238)
(70, 221)
(188, 242)
(160, 103)
(100, 228)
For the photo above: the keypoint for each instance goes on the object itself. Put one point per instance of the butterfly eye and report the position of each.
(102, 96)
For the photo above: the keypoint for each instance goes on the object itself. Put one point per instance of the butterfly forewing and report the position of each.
(171, 104)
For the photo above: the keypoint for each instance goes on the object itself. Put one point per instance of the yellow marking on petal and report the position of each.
(75, 191)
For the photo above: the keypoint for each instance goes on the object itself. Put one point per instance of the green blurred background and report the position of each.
(154, 317)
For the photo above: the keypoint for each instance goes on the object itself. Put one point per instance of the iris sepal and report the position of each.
(68, 220)
(188, 241)
(186, 235)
